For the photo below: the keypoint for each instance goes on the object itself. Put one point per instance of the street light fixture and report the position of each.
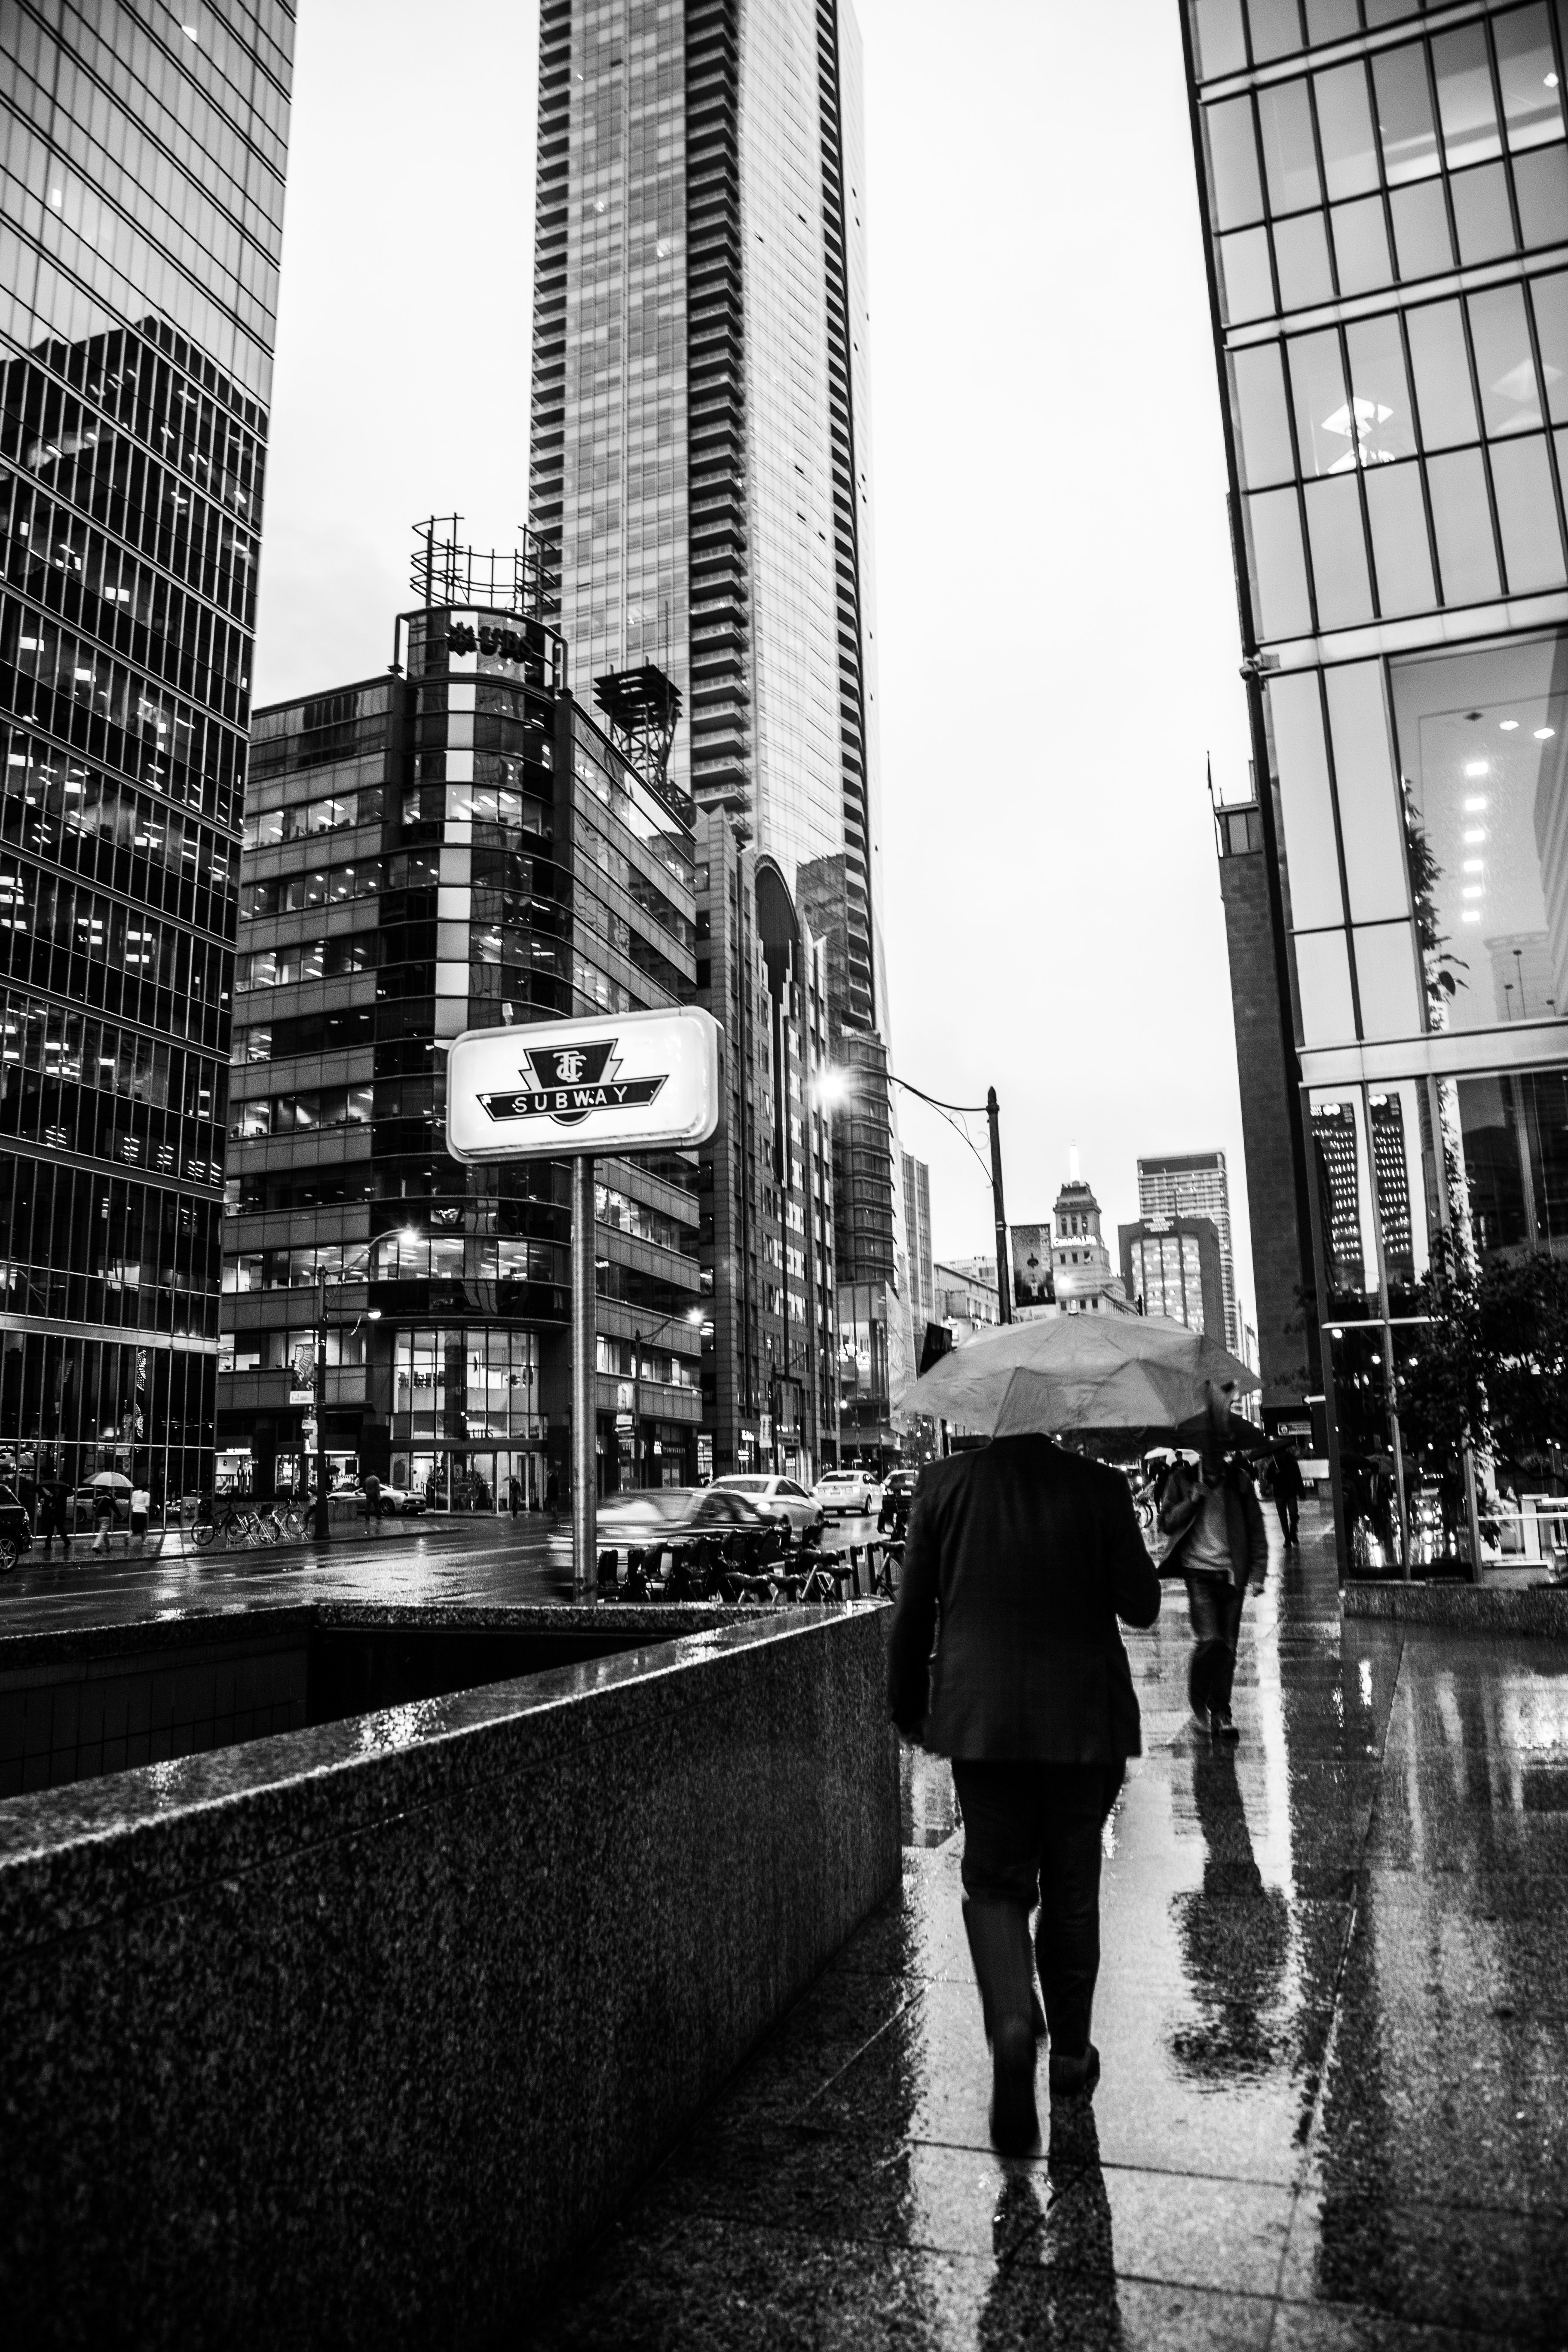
(690, 1315)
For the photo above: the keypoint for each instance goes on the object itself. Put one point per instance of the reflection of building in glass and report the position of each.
(453, 846)
(1195, 1184)
(700, 470)
(1390, 313)
(1391, 1173)
(1171, 1267)
(135, 366)
(1334, 1147)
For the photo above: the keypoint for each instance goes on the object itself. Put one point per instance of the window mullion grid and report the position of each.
(1504, 155)
(1340, 847)
(1552, 460)
(1322, 186)
(1485, 445)
(1426, 47)
(1402, 317)
(1299, 484)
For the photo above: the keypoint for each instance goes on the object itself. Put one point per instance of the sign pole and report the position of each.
(585, 1386)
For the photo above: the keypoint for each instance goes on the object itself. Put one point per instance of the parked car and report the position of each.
(852, 1493)
(15, 1534)
(780, 1498)
(898, 1493)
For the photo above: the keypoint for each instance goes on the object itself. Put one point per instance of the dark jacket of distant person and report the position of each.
(1181, 1504)
(1028, 1555)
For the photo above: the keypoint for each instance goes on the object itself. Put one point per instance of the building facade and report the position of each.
(1195, 1185)
(1082, 1280)
(965, 1294)
(1171, 1267)
(142, 201)
(916, 1231)
(455, 845)
(765, 1177)
(1386, 200)
(1272, 1131)
(700, 474)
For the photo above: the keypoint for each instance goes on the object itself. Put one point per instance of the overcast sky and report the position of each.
(1056, 620)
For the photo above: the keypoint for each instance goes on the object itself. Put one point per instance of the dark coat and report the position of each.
(1180, 1505)
(1287, 1479)
(1029, 1554)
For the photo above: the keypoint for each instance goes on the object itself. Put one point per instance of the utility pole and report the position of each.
(637, 1408)
(585, 1385)
(324, 1509)
(1003, 1265)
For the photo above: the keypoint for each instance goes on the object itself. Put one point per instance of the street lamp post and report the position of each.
(692, 1315)
(991, 1111)
(323, 1531)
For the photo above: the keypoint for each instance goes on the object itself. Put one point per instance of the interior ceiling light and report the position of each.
(1477, 768)
(1474, 864)
(1509, 726)
(1475, 833)
(1544, 734)
(1475, 804)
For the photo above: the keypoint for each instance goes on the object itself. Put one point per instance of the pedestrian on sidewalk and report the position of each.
(141, 1512)
(1019, 1560)
(1214, 1523)
(1288, 1488)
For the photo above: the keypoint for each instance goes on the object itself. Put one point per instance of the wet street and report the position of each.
(430, 1559)
(1333, 2015)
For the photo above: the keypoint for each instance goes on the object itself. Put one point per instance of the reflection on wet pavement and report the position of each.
(1334, 2011)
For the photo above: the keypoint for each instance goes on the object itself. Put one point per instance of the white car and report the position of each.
(777, 1498)
(851, 1492)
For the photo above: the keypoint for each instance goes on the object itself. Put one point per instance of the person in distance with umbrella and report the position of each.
(1218, 1544)
(1020, 1559)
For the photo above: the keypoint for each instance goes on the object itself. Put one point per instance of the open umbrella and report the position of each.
(1083, 1373)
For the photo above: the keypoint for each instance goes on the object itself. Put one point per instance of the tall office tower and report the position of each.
(1171, 1267)
(1385, 189)
(701, 462)
(142, 201)
(1195, 1184)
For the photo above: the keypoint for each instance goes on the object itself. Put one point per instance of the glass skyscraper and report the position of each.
(141, 220)
(701, 458)
(1386, 189)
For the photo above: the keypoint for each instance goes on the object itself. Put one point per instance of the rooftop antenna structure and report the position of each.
(446, 571)
(643, 709)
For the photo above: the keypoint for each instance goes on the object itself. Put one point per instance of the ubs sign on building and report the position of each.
(1385, 191)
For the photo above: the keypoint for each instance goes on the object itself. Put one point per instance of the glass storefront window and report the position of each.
(1301, 767)
(1462, 526)
(1302, 258)
(1370, 820)
(1323, 981)
(1278, 564)
(1405, 119)
(1290, 153)
(1334, 533)
(1361, 245)
(1325, 430)
(1443, 396)
(1465, 102)
(1380, 392)
(1264, 439)
(1480, 740)
(1421, 240)
(1245, 278)
(1511, 401)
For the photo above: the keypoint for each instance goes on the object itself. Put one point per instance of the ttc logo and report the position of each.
(564, 1083)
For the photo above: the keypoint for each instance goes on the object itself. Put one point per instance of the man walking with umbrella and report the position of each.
(1219, 1546)
(1020, 1559)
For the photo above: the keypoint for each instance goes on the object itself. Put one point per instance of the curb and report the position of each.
(1539, 1609)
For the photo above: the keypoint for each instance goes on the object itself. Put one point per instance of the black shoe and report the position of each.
(1220, 1724)
(1015, 2124)
(1071, 2076)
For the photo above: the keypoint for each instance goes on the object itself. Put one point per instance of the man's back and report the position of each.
(1028, 1555)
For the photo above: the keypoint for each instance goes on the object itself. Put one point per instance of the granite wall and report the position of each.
(350, 2036)
(1540, 1609)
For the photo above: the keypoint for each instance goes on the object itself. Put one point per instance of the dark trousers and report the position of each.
(1031, 1833)
(1216, 1611)
(1286, 1505)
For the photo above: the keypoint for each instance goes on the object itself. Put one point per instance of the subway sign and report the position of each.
(629, 1083)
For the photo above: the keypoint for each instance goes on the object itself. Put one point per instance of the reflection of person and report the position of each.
(103, 1517)
(1054, 2281)
(1288, 1489)
(373, 1499)
(54, 1515)
(1235, 1977)
(514, 1497)
(1217, 1545)
(1029, 1554)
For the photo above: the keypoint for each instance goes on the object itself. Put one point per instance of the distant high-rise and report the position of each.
(917, 1227)
(1195, 1184)
(700, 474)
(142, 206)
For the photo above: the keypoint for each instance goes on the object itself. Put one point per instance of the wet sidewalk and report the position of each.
(1333, 2015)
